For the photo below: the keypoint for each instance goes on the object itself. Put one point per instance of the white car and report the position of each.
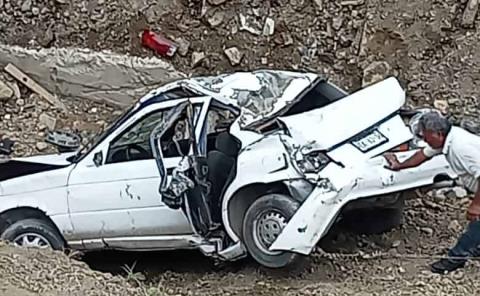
(259, 163)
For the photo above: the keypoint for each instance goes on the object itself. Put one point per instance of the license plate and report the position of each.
(370, 141)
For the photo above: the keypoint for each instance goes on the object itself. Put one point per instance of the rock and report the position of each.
(269, 27)
(396, 243)
(401, 270)
(20, 102)
(26, 6)
(197, 58)
(375, 72)
(35, 11)
(47, 38)
(319, 4)
(352, 2)
(427, 230)
(41, 146)
(183, 46)
(337, 23)
(470, 13)
(16, 90)
(441, 105)
(471, 124)
(1, 3)
(234, 55)
(459, 192)
(245, 26)
(287, 39)
(454, 226)
(47, 121)
(216, 18)
(5, 91)
(216, 2)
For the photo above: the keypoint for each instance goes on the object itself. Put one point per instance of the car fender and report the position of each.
(338, 186)
(263, 162)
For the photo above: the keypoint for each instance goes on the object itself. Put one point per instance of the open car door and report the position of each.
(185, 187)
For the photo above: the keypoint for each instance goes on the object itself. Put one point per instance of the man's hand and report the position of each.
(473, 212)
(393, 163)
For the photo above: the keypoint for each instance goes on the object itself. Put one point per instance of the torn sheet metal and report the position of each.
(261, 94)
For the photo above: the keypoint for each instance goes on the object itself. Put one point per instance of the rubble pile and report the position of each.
(33, 272)
(26, 118)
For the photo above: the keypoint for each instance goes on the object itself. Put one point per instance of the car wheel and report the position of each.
(33, 233)
(263, 222)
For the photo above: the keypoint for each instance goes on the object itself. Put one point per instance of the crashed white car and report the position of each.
(256, 163)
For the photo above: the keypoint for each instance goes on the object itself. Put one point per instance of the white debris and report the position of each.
(470, 13)
(5, 91)
(269, 27)
(352, 2)
(234, 55)
(197, 58)
(245, 27)
(47, 121)
(216, 18)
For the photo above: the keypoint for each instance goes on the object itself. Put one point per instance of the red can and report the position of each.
(158, 43)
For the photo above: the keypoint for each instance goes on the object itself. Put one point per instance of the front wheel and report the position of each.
(263, 223)
(33, 233)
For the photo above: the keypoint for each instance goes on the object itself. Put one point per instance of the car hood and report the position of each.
(261, 95)
(23, 166)
(338, 122)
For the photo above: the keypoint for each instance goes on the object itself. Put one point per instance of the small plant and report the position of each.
(132, 276)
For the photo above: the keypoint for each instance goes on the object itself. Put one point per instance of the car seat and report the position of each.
(221, 164)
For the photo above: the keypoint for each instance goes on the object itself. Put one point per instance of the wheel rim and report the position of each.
(266, 228)
(31, 240)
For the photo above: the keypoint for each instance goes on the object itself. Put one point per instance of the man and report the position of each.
(462, 150)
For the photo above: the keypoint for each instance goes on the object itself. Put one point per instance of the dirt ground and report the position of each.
(421, 42)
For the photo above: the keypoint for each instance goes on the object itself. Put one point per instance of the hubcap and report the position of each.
(267, 228)
(31, 240)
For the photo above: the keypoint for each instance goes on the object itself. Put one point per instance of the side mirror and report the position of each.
(98, 158)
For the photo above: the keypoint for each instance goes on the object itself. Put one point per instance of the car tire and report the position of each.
(279, 209)
(33, 233)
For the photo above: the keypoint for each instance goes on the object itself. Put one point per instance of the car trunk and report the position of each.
(357, 127)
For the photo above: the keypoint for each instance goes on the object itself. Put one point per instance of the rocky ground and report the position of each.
(430, 45)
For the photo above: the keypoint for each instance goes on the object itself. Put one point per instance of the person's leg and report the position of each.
(466, 246)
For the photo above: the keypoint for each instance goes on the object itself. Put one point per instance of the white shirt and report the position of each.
(462, 151)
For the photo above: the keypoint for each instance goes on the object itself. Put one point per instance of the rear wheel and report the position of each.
(33, 233)
(263, 223)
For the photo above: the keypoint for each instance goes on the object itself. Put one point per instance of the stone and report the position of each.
(269, 27)
(319, 4)
(427, 230)
(35, 11)
(197, 58)
(216, 18)
(5, 91)
(454, 225)
(47, 121)
(396, 243)
(441, 105)
(234, 55)
(20, 102)
(287, 39)
(26, 6)
(352, 2)
(41, 146)
(470, 13)
(216, 2)
(337, 23)
(183, 46)
(1, 3)
(16, 90)
(375, 72)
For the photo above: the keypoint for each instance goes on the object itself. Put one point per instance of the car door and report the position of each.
(119, 198)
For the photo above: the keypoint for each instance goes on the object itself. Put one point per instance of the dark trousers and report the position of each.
(468, 245)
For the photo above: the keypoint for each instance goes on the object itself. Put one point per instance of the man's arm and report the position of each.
(415, 160)
(473, 212)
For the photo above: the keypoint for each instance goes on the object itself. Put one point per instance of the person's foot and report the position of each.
(445, 266)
